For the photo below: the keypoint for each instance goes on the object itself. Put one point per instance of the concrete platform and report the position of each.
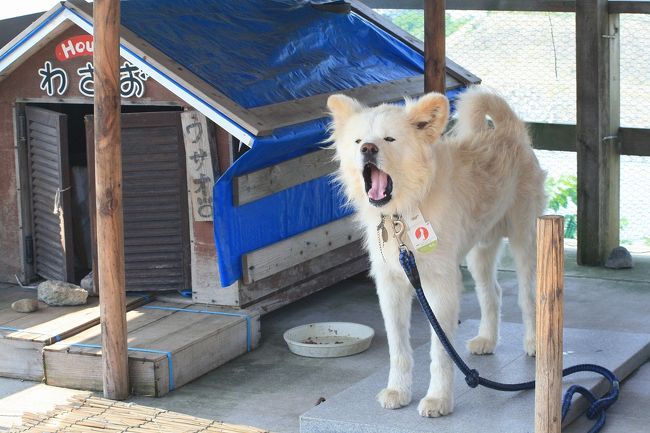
(355, 410)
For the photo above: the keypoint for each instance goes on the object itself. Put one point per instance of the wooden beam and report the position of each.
(635, 141)
(253, 293)
(292, 251)
(614, 6)
(598, 118)
(562, 137)
(255, 185)
(549, 324)
(434, 46)
(628, 6)
(108, 186)
(482, 5)
(553, 136)
(311, 285)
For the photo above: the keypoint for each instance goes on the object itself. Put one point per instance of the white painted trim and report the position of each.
(34, 39)
(126, 51)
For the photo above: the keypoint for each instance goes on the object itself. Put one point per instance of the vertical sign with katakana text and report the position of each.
(200, 177)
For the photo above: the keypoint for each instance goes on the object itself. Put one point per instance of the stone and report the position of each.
(87, 283)
(27, 305)
(54, 292)
(620, 258)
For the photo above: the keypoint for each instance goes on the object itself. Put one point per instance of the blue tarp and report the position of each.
(240, 229)
(260, 52)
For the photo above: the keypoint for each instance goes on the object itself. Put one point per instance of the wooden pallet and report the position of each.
(170, 344)
(24, 335)
(91, 414)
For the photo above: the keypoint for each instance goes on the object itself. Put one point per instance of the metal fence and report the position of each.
(530, 58)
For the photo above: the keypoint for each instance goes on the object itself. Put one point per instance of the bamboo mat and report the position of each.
(86, 413)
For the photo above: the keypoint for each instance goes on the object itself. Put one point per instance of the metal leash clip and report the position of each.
(399, 228)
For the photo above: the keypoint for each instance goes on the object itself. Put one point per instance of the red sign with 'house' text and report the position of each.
(74, 46)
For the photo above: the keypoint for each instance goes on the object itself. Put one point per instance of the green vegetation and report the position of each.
(562, 195)
(563, 192)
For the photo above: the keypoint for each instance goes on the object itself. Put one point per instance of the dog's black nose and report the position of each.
(369, 148)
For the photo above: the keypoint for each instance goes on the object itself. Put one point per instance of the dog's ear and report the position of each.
(429, 113)
(342, 107)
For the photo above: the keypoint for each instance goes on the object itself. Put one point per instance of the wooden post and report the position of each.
(549, 324)
(598, 121)
(434, 46)
(108, 187)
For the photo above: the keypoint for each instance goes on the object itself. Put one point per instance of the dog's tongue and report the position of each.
(379, 181)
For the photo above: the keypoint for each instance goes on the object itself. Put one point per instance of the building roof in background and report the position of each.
(11, 27)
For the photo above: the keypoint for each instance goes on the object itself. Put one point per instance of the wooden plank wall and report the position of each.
(269, 180)
(292, 251)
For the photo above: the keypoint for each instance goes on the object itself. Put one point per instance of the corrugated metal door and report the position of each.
(154, 186)
(49, 179)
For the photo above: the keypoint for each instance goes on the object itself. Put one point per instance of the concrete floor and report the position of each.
(271, 388)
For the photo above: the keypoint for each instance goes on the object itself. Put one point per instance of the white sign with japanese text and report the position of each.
(200, 177)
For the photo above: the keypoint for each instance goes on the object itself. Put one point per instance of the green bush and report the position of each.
(562, 192)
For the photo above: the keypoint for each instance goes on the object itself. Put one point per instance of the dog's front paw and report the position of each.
(481, 345)
(432, 407)
(393, 399)
(529, 346)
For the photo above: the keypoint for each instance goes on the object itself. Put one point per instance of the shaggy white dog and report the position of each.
(474, 186)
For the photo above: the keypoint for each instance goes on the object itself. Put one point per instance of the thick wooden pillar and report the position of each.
(598, 121)
(434, 46)
(108, 187)
(549, 324)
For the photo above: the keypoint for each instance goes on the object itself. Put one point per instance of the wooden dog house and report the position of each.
(226, 187)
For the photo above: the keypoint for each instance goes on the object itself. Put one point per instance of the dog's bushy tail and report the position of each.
(476, 104)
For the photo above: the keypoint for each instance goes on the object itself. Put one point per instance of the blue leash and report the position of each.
(597, 406)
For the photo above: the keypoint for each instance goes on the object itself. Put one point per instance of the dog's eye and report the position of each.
(389, 139)
(358, 140)
(422, 125)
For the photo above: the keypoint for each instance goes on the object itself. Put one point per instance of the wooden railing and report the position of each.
(614, 6)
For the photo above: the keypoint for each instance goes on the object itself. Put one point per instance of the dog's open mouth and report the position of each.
(379, 185)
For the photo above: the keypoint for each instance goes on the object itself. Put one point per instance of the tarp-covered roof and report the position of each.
(254, 66)
(260, 52)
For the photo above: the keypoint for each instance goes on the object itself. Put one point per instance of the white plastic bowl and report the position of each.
(329, 339)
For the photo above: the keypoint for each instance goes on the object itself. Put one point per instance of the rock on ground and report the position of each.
(87, 283)
(620, 258)
(25, 305)
(54, 292)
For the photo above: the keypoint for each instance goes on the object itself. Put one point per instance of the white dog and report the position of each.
(473, 187)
